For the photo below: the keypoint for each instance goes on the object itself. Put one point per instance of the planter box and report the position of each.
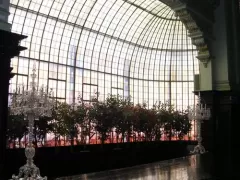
(70, 160)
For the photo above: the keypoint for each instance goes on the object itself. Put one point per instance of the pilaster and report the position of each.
(232, 43)
(220, 133)
(9, 47)
(4, 13)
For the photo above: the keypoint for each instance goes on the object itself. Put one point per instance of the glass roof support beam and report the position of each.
(149, 12)
(108, 41)
(9, 47)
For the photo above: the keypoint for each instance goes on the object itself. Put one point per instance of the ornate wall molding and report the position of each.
(221, 85)
(190, 16)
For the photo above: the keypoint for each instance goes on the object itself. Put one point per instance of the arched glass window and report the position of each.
(127, 47)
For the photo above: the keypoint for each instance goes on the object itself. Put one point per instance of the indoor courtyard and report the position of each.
(119, 89)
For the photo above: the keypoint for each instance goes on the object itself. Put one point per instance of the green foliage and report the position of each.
(124, 117)
(42, 127)
(147, 122)
(103, 115)
(173, 122)
(181, 125)
(16, 128)
(166, 116)
(67, 119)
(115, 113)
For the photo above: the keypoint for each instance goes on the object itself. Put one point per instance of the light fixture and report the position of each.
(199, 113)
(33, 103)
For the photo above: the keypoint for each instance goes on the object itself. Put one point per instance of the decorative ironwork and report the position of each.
(110, 64)
(199, 113)
(33, 104)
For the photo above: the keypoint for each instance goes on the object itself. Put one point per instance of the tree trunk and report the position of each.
(111, 136)
(170, 135)
(55, 138)
(102, 140)
(123, 136)
(14, 142)
(36, 142)
(72, 141)
(42, 139)
(19, 142)
(117, 136)
(89, 135)
(59, 140)
(89, 131)
(128, 136)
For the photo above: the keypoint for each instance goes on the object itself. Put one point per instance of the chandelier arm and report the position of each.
(199, 113)
(32, 105)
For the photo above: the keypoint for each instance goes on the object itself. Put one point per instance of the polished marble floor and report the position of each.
(187, 168)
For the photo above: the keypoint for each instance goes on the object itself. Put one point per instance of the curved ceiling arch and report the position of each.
(130, 47)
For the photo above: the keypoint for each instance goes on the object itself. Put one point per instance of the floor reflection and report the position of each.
(187, 168)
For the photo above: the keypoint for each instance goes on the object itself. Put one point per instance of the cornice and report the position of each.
(197, 16)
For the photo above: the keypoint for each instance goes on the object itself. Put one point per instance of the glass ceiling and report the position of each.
(127, 47)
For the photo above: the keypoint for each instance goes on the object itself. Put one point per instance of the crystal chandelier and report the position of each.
(33, 103)
(199, 113)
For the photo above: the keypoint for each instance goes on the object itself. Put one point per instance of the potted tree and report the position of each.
(140, 123)
(121, 113)
(151, 124)
(102, 119)
(157, 130)
(182, 125)
(167, 118)
(67, 120)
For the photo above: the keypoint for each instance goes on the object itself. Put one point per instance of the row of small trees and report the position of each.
(76, 123)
